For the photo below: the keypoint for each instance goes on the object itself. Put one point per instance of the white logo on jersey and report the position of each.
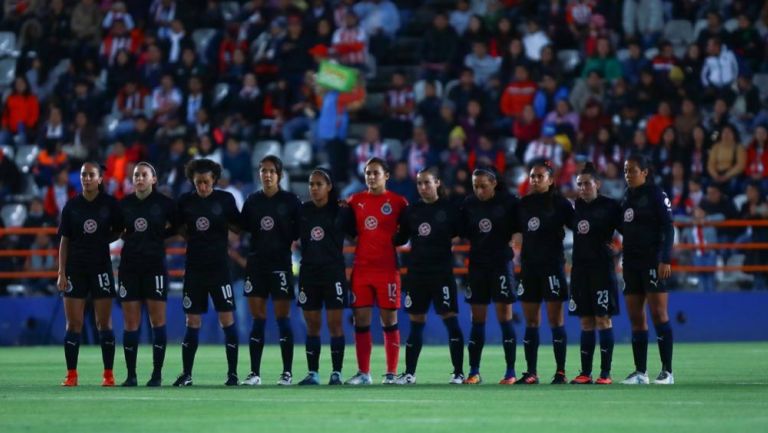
(187, 303)
(520, 289)
(533, 224)
(69, 285)
(371, 223)
(123, 292)
(140, 225)
(202, 224)
(317, 233)
(248, 287)
(468, 295)
(267, 223)
(425, 229)
(583, 227)
(629, 215)
(386, 208)
(408, 301)
(485, 225)
(302, 297)
(90, 226)
(571, 305)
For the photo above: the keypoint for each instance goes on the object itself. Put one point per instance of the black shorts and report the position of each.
(642, 281)
(439, 289)
(199, 284)
(331, 290)
(278, 284)
(138, 286)
(538, 286)
(594, 291)
(96, 285)
(486, 285)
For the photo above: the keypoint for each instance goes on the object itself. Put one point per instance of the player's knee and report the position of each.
(659, 315)
(132, 324)
(193, 321)
(588, 323)
(603, 322)
(74, 325)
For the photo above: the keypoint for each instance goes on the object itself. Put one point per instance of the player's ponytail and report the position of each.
(590, 170)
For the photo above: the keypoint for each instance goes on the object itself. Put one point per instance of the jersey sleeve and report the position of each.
(245, 215)
(513, 218)
(568, 213)
(65, 227)
(230, 209)
(295, 218)
(666, 231)
(403, 230)
(172, 218)
(116, 216)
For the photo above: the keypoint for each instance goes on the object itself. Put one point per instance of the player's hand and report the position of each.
(61, 282)
(664, 271)
(343, 204)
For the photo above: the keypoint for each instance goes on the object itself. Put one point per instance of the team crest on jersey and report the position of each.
(520, 289)
(468, 294)
(629, 215)
(425, 229)
(485, 225)
(571, 305)
(371, 223)
(533, 224)
(69, 285)
(386, 208)
(267, 223)
(583, 227)
(408, 301)
(317, 233)
(90, 226)
(202, 224)
(140, 225)
(187, 303)
(302, 297)
(123, 293)
(248, 287)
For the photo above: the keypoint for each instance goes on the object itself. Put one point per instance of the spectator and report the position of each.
(350, 42)
(402, 183)
(440, 128)
(460, 16)
(332, 123)
(399, 104)
(720, 68)
(152, 68)
(85, 139)
(438, 48)
(50, 160)
(698, 155)
(166, 100)
(473, 123)
(371, 146)
(634, 63)
(487, 154)
(194, 100)
(514, 56)
(162, 13)
(483, 65)
(757, 159)
(302, 111)
(545, 148)
(548, 65)
(57, 193)
(592, 119)
(548, 94)
(589, 88)
(603, 61)
(526, 129)
(686, 120)
(174, 41)
(563, 118)
(664, 61)
(701, 234)
(746, 104)
(380, 20)
(719, 117)
(644, 18)
(20, 113)
(455, 155)
(518, 93)
(428, 108)
(236, 159)
(53, 130)
(717, 204)
(189, 66)
(747, 43)
(118, 39)
(659, 122)
(755, 208)
(465, 91)
(11, 180)
(534, 40)
(727, 160)
(120, 72)
(86, 23)
(613, 183)
(501, 38)
(714, 29)
(647, 93)
(41, 263)
(294, 57)
(118, 12)
(420, 154)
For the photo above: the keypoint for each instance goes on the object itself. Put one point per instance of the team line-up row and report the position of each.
(379, 220)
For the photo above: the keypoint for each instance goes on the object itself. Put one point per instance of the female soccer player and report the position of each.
(430, 225)
(89, 223)
(322, 279)
(594, 292)
(148, 218)
(205, 217)
(648, 239)
(488, 222)
(542, 215)
(375, 275)
(271, 217)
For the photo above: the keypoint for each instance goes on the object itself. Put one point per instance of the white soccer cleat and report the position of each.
(405, 379)
(456, 379)
(636, 378)
(389, 379)
(359, 379)
(285, 379)
(252, 380)
(664, 378)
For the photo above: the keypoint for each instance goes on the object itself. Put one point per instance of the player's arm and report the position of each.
(569, 215)
(61, 280)
(117, 225)
(666, 234)
(403, 232)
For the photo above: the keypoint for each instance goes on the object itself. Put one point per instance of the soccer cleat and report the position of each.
(664, 378)
(528, 379)
(604, 380)
(285, 379)
(559, 378)
(473, 379)
(335, 378)
(389, 379)
(155, 381)
(405, 379)
(130, 381)
(252, 379)
(183, 380)
(311, 379)
(508, 380)
(636, 378)
(456, 379)
(108, 379)
(359, 379)
(582, 379)
(231, 380)
(70, 379)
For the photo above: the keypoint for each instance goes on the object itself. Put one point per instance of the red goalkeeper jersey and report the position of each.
(376, 219)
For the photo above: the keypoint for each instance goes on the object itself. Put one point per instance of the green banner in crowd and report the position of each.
(335, 76)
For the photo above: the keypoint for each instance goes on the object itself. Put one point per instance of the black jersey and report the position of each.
(541, 218)
(430, 228)
(489, 225)
(207, 221)
(594, 224)
(273, 225)
(322, 231)
(90, 226)
(147, 223)
(647, 227)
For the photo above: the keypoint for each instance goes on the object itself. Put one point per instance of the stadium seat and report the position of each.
(679, 32)
(14, 214)
(570, 59)
(374, 104)
(680, 50)
(652, 52)
(8, 45)
(761, 82)
(230, 10)
(264, 148)
(698, 27)
(7, 72)
(8, 151)
(510, 146)
(449, 86)
(301, 189)
(395, 147)
(622, 54)
(370, 66)
(731, 25)
(297, 153)
(418, 89)
(203, 37)
(26, 156)
(220, 93)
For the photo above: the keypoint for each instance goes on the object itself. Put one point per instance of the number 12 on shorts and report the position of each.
(392, 290)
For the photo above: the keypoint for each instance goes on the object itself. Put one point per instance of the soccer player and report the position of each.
(594, 292)
(89, 223)
(149, 218)
(542, 215)
(430, 225)
(488, 222)
(205, 217)
(375, 275)
(648, 238)
(271, 217)
(322, 280)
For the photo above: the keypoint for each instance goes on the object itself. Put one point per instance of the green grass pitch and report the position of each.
(720, 388)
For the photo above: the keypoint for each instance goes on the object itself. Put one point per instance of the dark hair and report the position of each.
(377, 160)
(333, 194)
(491, 173)
(200, 166)
(547, 165)
(99, 167)
(640, 160)
(277, 162)
(435, 173)
(148, 165)
(590, 170)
